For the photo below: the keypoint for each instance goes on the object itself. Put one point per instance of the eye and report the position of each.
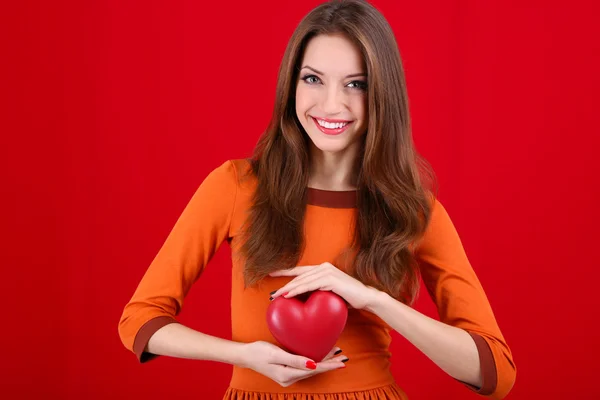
(361, 85)
(311, 79)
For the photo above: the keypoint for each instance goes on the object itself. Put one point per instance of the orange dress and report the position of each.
(216, 213)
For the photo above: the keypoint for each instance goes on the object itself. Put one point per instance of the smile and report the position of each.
(331, 127)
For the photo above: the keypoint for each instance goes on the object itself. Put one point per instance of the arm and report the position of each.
(450, 348)
(148, 326)
(462, 303)
(177, 340)
(467, 343)
(196, 236)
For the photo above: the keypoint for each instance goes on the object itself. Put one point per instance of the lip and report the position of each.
(331, 120)
(328, 131)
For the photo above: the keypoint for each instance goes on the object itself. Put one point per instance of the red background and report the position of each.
(113, 113)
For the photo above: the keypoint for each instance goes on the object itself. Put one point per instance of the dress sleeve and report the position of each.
(462, 302)
(195, 238)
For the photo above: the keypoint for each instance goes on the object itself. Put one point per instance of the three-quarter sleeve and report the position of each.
(196, 236)
(462, 302)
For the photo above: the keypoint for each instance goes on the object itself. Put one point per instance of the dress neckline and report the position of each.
(332, 198)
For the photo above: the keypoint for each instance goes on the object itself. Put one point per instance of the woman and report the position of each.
(334, 198)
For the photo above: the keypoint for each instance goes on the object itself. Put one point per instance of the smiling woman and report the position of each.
(331, 96)
(334, 198)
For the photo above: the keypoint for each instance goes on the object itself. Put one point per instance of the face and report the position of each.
(331, 94)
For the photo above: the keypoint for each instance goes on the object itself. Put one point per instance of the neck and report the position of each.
(333, 171)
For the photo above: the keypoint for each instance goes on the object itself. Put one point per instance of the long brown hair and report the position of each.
(392, 198)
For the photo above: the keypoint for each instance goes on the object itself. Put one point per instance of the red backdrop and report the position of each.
(114, 112)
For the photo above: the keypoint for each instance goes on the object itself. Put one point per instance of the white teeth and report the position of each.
(331, 125)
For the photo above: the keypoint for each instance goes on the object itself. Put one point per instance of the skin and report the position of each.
(332, 85)
(450, 348)
(332, 94)
(327, 93)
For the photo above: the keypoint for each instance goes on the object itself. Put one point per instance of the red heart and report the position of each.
(309, 328)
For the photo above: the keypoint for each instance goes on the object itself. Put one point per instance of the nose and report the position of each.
(332, 101)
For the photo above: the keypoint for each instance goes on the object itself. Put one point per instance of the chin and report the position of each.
(329, 147)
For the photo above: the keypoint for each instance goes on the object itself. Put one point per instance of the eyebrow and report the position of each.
(321, 73)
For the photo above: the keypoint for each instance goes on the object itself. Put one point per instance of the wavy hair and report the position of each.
(395, 184)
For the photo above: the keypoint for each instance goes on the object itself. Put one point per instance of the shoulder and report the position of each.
(229, 174)
(233, 178)
(437, 211)
(439, 219)
(241, 166)
(244, 174)
(440, 232)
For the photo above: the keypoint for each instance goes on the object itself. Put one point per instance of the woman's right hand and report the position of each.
(286, 368)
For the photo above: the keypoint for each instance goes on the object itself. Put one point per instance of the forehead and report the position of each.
(333, 55)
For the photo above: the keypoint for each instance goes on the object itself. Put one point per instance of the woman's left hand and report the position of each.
(326, 277)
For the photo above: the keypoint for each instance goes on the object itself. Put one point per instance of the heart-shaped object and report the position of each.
(309, 328)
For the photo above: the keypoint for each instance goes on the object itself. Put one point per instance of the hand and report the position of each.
(326, 277)
(285, 368)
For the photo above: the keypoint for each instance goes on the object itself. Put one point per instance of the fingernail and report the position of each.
(311, 364)
(337, 352)
(271, 298)
(273, 292)
(345, 359)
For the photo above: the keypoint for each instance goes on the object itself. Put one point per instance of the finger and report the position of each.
(331, 364)
(318, 283)
(291, 375)
(316, 280)
(337, 362)
(307, 277)
(287, 287)
(341, 358)
(334, 352)
(303, 363)
(314, 269)
(283, 290)
(293, 271)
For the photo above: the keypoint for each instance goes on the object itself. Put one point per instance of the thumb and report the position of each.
(292, 360)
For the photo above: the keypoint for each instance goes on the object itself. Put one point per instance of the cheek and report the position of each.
(360, 112)
(359, 107)
(304, 99)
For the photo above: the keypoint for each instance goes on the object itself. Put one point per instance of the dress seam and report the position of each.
(394, 384)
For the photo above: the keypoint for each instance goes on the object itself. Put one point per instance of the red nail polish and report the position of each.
(311, 364)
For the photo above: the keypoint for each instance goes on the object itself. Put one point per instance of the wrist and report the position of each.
(225, 351)
(239, 355)
(376, 299)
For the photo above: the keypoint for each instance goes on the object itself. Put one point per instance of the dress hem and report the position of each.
(386, 392)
